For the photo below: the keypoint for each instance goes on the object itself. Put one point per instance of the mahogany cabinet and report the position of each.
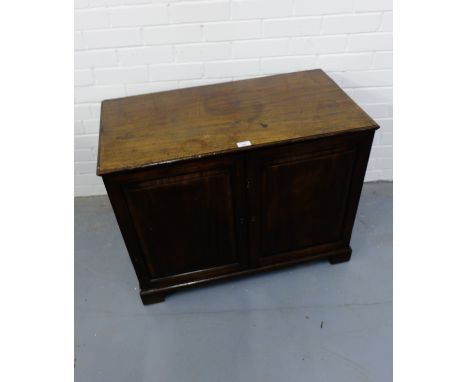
(229, 179)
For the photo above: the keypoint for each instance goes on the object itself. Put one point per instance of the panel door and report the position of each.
(186, 220)
(303, 197)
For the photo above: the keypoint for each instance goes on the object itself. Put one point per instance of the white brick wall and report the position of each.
(128, 47)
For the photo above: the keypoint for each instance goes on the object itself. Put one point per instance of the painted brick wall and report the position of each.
(128, 47)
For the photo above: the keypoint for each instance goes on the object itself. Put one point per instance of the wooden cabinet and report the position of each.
(194, 207)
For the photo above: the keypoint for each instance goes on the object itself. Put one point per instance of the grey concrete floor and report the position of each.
(313, 322)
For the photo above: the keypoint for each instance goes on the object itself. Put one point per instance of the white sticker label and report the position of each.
(243, 143)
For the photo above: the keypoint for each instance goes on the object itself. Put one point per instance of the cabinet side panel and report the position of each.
(124, 220)
(363, 151)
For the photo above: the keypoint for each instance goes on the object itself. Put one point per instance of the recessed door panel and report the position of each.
(303, 197)
(187, 221)
(303, 201)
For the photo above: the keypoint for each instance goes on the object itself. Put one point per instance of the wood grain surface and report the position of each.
(196, 122)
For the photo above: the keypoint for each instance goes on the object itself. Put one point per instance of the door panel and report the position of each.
(187, 220)
(304, 200)
(300, 195)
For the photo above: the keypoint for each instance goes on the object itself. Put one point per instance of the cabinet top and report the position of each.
(195, 122)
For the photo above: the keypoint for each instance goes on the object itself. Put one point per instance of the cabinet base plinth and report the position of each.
(342, 258)
(152, 297)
